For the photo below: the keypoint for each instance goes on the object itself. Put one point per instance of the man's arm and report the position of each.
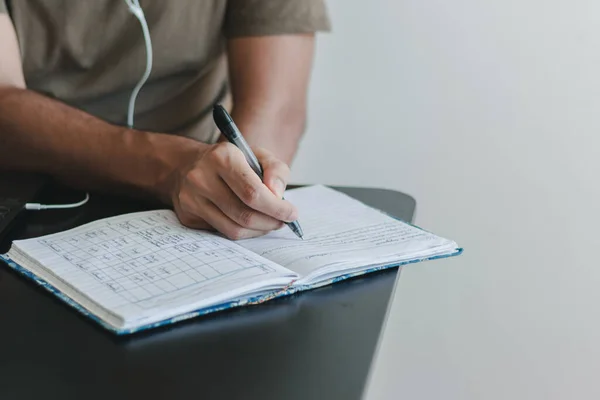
(210, 186)
(43, 135)
(269, 81)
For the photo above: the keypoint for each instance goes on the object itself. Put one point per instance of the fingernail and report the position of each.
(279, 187)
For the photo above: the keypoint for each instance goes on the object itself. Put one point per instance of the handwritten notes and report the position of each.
(340, 233)
(145, 267)
(147, 260)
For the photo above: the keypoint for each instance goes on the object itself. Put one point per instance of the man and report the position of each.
(67, 69)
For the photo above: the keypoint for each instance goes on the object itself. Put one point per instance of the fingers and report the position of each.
(248, 187)
(227, 226)
(221, 191)
(193, 221)
(276, 173)
(206, 215)
(224, 198)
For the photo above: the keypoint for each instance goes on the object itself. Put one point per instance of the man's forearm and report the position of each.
(275, 130)
(42, 135)
(269, 81)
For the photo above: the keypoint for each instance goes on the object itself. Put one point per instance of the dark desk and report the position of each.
(314, 345)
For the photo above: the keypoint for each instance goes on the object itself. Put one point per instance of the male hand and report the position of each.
(220, 191)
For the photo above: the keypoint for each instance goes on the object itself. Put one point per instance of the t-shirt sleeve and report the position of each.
(2, 7)
(275, 17)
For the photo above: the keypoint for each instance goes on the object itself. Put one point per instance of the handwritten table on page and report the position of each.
(152, 255)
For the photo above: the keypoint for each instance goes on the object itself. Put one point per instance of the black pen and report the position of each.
(228, 128)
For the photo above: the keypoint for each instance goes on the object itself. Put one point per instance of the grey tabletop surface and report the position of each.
(313, 345)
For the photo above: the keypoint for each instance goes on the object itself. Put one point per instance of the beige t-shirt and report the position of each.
(90, 54)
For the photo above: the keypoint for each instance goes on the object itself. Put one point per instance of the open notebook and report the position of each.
(142, 270)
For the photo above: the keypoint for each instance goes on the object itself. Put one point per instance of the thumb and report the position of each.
(275, 172)
(277, 186)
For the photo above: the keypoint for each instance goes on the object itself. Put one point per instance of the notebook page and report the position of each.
(340, 233)
(147, 264)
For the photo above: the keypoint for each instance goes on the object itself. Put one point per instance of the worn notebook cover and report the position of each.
(203, 311)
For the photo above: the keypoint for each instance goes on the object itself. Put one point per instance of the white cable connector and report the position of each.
(38, 206)
(136, 10)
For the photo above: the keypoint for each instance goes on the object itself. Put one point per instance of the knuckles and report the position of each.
(185, 201)
(186, 220)
(192, 221)
(223, 155)
(250, 195)
(246, 218)
(236, 233)
(195, 178)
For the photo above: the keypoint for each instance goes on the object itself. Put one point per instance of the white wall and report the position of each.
(488, 113)
(457, 103)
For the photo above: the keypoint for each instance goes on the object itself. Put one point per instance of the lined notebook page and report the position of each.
(341, 232)
(139, 265)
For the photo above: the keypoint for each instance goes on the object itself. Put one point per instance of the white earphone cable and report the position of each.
(136, 9)
(38, 206)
